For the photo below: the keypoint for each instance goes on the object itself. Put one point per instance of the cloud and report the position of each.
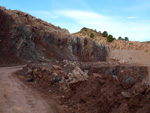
(44, 14)
(146, 20)
(54, 17)
(114, 25)
(77, 14)
(74, 20)
(132, 17)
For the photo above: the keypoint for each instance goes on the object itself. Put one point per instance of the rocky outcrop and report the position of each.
(26, 38)
(126, 45)
(116, 44)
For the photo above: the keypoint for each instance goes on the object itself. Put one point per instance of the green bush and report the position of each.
(126, 39)
(92, 35)
(110, 38)
(120, 38)
(105, 34)
(84, 29)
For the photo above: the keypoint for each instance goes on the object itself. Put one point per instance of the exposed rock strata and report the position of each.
(26, 38)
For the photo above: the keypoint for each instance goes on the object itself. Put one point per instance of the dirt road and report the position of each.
(15, 97)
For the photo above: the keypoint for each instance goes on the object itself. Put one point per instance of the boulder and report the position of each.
(126, 94)
(139, 88)
(55, 78)
(96, 75)
(128, 78)
(56, 67)
(77, 75)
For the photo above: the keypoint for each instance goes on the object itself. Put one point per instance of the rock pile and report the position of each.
(86, 87)
(55, 75)
(104, 94)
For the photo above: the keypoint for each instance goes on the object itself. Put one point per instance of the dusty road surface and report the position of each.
(15, 97)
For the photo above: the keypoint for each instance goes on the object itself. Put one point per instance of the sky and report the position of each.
(125, 18)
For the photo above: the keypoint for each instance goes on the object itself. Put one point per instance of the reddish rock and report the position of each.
(128, 78)
(26, 38)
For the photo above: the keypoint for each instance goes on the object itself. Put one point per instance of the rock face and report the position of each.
(116, 44)
(25, 38)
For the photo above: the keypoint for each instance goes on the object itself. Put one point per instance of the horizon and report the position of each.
(119, 18)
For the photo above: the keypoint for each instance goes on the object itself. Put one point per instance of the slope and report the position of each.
(116, 44)
(25, 38)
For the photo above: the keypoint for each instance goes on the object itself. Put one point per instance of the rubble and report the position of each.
(56, 67)
(120, 89)
(128, 78)
(96, 75)
(126, 94)
(55, 78)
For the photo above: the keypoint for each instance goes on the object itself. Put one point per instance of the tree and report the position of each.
(92, 35)
(105, 34)
(84, 29)
(114, 38)
(120, 38)
(110, 38)
(126, 39)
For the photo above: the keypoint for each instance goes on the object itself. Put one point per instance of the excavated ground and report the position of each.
(120, 85)
(132, 57)
(94, 87)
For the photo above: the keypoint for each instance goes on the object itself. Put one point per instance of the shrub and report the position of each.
(126, 39)
(110, 38)
(92, 35)
(120, 38)
(84, 29)
(105, 34)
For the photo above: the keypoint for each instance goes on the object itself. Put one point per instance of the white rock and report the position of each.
(56, 67)
(126, 94)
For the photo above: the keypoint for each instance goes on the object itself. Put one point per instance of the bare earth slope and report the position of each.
(15, 97)
(131, 56)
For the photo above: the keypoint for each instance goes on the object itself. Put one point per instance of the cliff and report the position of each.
(116, 44)
(24, 38)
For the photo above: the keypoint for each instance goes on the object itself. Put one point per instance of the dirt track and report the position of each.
(15, 97)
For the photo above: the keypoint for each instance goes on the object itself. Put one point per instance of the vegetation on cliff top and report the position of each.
(97, 34)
